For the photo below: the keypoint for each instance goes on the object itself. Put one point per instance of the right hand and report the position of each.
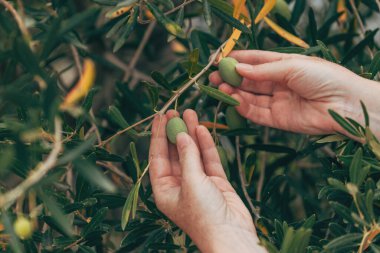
(294, 92)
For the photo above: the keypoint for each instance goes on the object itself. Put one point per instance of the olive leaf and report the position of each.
(218, 95)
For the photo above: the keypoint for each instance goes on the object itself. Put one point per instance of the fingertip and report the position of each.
(172, 113)
(190, 114)
(215, 78)
(226, 88)
(238, 98)
(183, 139)
(243, 68)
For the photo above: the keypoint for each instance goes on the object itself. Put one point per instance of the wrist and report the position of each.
(229, 239)
(366, 91)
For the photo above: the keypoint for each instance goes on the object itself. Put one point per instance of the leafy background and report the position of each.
(79, 174)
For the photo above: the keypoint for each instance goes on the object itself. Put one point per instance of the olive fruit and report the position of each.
(223, 159)
(282, 9)
(23, 228)
(234, 119)
(227, 70)
(175, 126)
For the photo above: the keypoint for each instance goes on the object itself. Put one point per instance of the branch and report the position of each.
(262, 166)
(139, 50)
(361, 25)
(8, 198)
(18, 19)
(173, 98)
(116, 171)
(243, 180)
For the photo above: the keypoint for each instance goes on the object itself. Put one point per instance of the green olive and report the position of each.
(234, 119)
(224, 160)
(282, 9)
(175, 126)
(23, 228)
(227, 70)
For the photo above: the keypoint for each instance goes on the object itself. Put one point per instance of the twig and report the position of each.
(116, 171)
(93, 122)
(378, 4)
(127, 129)
(18, 19)
(74, 51)
(8, 198)
(139, 50)
(243, 180)
(361, 25)
(186, 2)
(173, 98)
(192, 80)
(121, 65)
(215, 119)
(262, 167)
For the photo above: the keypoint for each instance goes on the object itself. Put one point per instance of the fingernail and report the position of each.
(243, 67)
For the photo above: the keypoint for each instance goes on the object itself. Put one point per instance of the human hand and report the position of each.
(294, 92)
(191, 189)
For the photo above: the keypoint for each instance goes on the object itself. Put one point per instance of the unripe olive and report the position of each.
(175, 126)
(227, 70)
(223, 159)
(234, 119)
(23, 228)
(282, 9)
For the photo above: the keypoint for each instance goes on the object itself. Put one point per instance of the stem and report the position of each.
(18, 19)
(172, 99)
(170, 11)
(116, 171)
(262, 167)
(126, 129)
(75, 54)
(243, 180)
(139, 50)
(361, 25)
(8, 198)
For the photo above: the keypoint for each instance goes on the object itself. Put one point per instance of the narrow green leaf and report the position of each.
(207, 12)
(326, 52)
(232, 21)
(218, 95)
(375, 65)
(93, 175)
(135, 158)
(130, 205)
(127, 29)
(359, 47)
(95, 221)
(344, 123)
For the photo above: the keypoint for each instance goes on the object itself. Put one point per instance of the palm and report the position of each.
(193, 191)
(289, 92)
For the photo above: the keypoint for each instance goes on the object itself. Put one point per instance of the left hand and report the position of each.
(191, 188)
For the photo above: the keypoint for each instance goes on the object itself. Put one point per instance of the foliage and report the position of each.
(77, 168)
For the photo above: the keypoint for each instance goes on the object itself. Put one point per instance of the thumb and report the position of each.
(189, 157)
(277, 71)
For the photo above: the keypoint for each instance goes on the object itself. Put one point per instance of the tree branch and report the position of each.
(8, 198)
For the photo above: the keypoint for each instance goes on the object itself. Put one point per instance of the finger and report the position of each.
(257, 100)
(215, 78)
(191, 119)
(226, 88)
(174, 160)
(172, 114)
(190, 159)
(258, 115)
(159, 154)
(278, 71)
(173, 154)
(263, 87)
(210, 156)
(259, 57)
